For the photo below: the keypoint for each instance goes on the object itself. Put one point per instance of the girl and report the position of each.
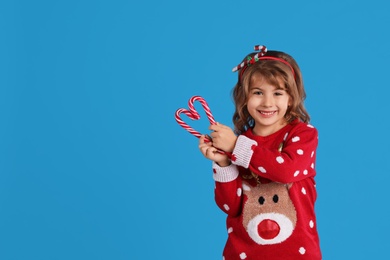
(266, 185)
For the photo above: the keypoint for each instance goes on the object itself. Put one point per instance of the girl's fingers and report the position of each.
(214, 127)
(210, 151)
(202, 139)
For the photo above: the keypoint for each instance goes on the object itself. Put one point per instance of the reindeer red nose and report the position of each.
(268, 229)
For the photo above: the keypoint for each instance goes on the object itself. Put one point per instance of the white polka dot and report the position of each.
(242, 256)
(311, 223)
(296, 173)
(303, 190)
(239, 192)
(246, 187)
(312, 165)
(285, 136)
(312, 154)
(226, 207)
(310, 126)
(302, 250)
(261, 169)
(295, 139)
(300, 151)
(305, 172)
(230, 230)
(279, 159)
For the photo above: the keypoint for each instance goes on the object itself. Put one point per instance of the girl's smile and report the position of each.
(267, 114)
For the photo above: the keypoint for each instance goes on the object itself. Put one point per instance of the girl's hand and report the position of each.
(223, 137)
(210, 152)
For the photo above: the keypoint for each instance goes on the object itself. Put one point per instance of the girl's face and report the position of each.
(267, 104)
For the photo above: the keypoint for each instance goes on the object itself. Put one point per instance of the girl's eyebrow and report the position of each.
(276, 88)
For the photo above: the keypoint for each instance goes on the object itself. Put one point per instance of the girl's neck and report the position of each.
(266, 131)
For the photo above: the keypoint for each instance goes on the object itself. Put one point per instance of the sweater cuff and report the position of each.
(224, 174)
(243, 151)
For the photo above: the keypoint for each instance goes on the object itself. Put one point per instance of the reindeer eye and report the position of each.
(261, 200)
(275, 198)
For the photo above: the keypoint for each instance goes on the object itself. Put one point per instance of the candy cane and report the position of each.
(205, 107)
(261, 48)
(262, 51)
(194, 115)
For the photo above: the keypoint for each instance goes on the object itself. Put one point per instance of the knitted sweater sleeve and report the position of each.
(293, 163)
(228, 189)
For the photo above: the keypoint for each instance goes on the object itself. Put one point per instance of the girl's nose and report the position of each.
(267, 101)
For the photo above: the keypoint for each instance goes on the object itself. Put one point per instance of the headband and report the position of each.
(259, 56)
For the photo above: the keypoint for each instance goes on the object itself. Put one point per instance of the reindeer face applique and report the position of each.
(269, 215)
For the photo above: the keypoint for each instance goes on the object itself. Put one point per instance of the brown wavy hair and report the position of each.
(275, 73)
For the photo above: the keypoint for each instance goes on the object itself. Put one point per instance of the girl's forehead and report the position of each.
(258, 81)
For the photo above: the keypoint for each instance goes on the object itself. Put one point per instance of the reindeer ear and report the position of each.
(246, 186)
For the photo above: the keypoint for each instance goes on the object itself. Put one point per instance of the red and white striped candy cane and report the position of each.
(261, 48)
(194, 115)
(262, 51)
(205, 107)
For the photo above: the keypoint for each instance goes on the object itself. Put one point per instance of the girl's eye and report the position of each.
(257, 93)
(278, 94)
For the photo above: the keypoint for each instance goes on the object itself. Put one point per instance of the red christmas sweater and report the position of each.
(268, 194)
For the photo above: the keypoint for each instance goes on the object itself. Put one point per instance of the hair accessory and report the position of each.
(194, 115)
(250, 60)
(259, 56)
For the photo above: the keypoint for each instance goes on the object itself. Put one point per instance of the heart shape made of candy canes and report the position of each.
(193, 114)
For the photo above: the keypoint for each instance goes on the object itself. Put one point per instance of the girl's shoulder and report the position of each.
(298, 125)
(300, 128)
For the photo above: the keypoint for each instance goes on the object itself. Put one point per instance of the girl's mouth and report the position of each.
(267, 113)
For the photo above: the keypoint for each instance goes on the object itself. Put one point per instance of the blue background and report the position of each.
(93, 164)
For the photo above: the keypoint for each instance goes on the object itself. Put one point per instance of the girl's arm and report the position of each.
(228, 189)
(295, 162)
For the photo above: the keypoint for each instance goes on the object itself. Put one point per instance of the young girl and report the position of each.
(266, 185)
